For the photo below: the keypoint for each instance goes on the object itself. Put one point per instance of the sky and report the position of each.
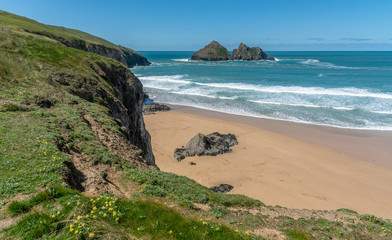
(188, 25)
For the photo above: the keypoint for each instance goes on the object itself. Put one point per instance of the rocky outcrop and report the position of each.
(212, 144)
(216, 52)
(222, 188)
(122, 54)
(154, 107)
(246, 53)
(212, 52)
(127, 106)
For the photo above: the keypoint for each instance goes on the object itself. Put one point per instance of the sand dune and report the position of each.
(272, 167)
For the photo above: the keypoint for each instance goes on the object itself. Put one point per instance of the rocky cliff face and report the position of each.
(122, 54)
(249, 54)
(212, 52)
(128, 105)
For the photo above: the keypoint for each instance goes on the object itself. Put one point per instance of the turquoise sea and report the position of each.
(340, 89)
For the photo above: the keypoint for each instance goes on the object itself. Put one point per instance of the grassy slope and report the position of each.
(21, 24)
(34, 142)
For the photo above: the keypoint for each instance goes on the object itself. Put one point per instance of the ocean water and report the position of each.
(339, 89)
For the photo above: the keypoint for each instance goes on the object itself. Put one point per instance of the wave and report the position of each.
(193, 94)
(166, 78)
(351, 92)
(300, 105)
(242, 112)
(182, 60)
(196, 93)
(383, 112)
(315, 62)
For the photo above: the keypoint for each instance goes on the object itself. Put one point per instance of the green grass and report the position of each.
(346, 210)
(185, 190)
(294, 234)
(21, 25)
(65, 213)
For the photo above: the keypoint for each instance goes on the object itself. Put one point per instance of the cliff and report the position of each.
(74, 38)
(60, 68)
(249, 54)
(212, 52)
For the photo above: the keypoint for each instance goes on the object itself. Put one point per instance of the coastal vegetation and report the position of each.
(73, 166)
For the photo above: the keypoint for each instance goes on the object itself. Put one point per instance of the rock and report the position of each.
(222, 188)
(212, 52)
(192, 163)
(212, 144)
(155, 107)
(249, 54)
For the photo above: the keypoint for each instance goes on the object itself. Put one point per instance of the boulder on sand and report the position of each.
(212, 144)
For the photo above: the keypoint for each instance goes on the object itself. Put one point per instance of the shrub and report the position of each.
(19, 207)
(218, 212)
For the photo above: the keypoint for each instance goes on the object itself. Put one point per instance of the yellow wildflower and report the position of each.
(58, 212)
(170, 231)
(87, 216)
(94, 208)
(79, 217)
(76, 232)
(114, 213)
(246, 233)
(91, 235)
(104, 214)
(138, 229)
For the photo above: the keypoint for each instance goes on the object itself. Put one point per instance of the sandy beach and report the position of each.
(281, 163)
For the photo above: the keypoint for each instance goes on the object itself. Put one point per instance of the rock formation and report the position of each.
(216, 52)
(154, 107)
(223, 188)
(246, 53)
(212, 52)
(212, 144)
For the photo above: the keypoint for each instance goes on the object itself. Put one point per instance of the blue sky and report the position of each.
(191, 24)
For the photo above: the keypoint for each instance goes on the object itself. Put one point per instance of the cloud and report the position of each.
(316, 39)
(356, 39)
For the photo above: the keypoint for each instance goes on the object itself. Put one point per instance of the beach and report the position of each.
(282, 163)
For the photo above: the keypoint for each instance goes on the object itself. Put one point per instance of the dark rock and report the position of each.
(223, 188)
(127, 105)
(212, 52)
(249, 54)
(212, 144)
(192, 163)
(155, 107)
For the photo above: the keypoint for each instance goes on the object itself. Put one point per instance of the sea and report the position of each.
(339, 89)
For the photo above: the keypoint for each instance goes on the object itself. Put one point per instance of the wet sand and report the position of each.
(282, 163)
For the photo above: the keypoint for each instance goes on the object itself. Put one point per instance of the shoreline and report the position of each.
(278, 163)
(371, 146)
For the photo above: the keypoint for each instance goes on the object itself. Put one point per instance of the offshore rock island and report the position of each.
(216, 52)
